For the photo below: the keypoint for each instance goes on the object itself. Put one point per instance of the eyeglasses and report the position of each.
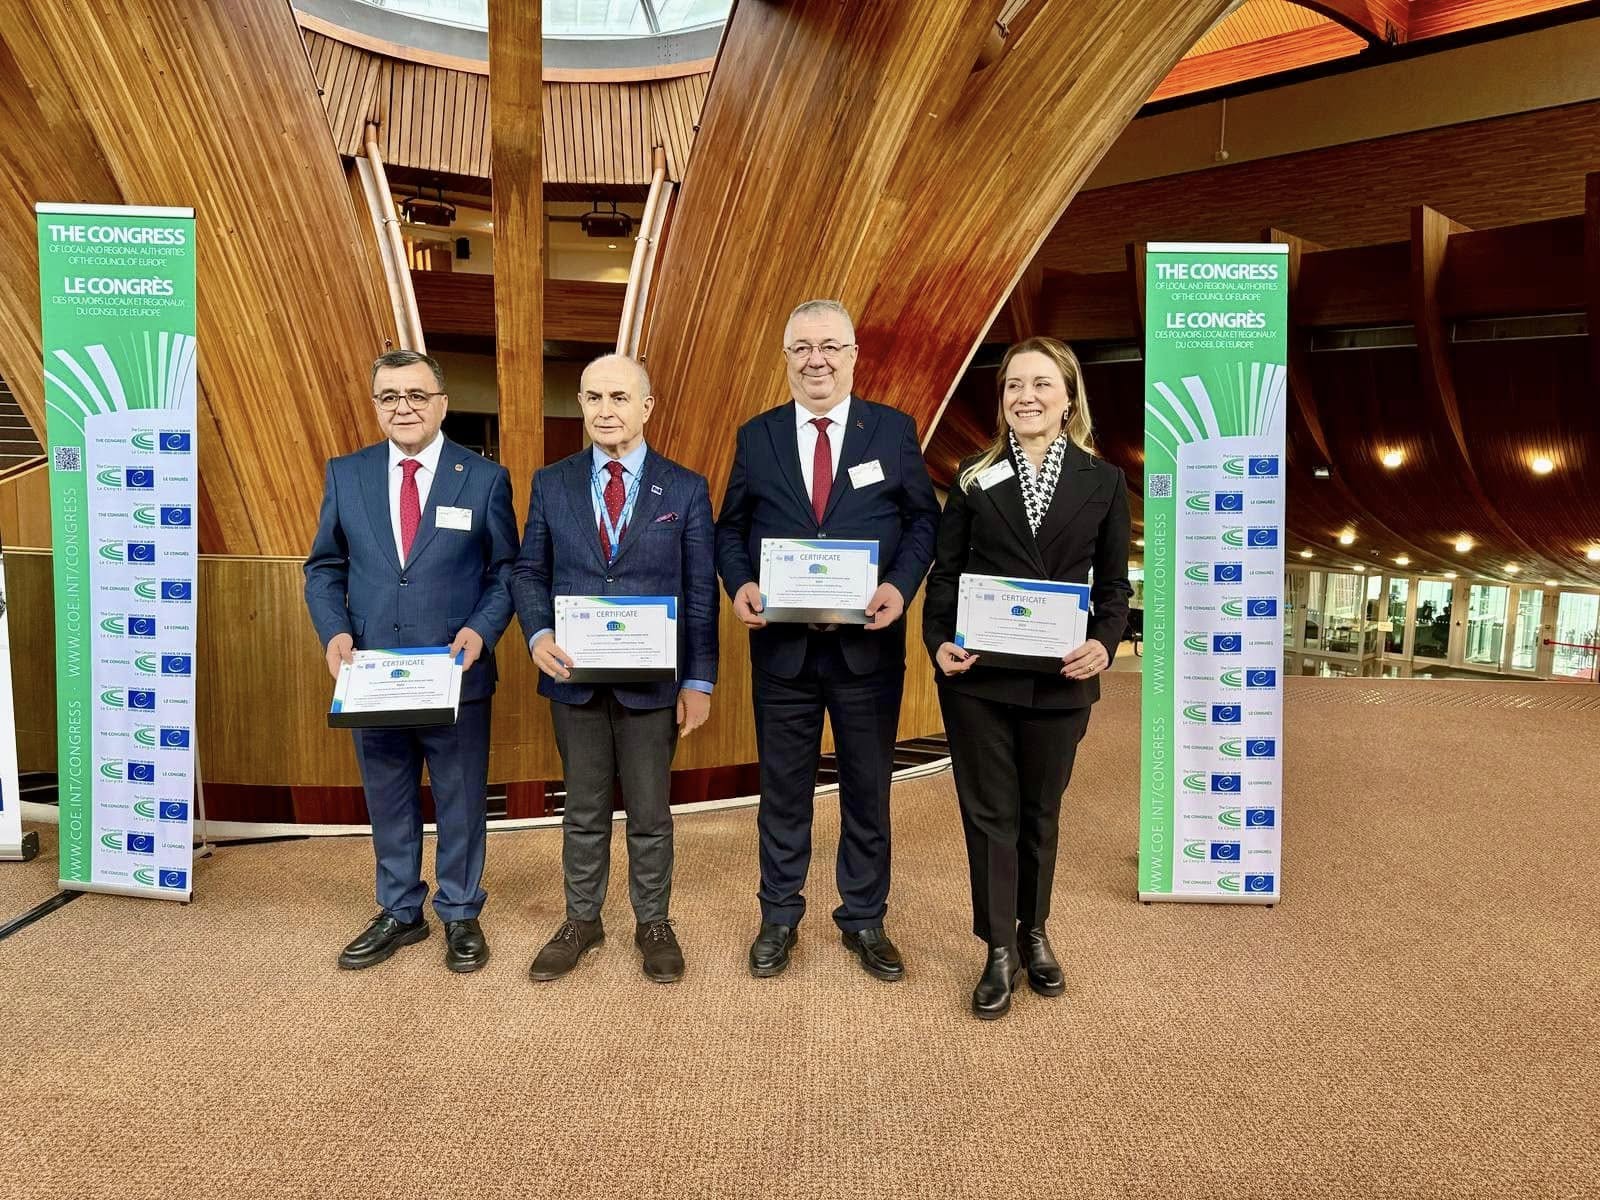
(831, 351)
(418, 400)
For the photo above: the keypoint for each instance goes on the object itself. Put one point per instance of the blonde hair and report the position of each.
(1077, 425)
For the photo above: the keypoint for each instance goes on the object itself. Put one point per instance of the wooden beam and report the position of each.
(1431, 232)
(1382, 22)
(1253, 60)
(515, 131)
(1591, 273)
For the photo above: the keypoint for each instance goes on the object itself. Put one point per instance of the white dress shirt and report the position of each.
(429, 458)
(807, 433)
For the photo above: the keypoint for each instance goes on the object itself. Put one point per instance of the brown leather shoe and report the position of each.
(561, 953)
(663, 957)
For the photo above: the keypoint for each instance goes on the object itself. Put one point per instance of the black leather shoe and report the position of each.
(465, 947)
(991, 999)
(663, 957)
(769, 953)
(561, 953)
(1044, 972)
(381, 939)
(877, 953)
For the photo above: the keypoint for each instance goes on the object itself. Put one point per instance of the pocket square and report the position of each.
(665, 519)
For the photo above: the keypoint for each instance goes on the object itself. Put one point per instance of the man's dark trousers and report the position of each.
(864, 711)
(602, 740)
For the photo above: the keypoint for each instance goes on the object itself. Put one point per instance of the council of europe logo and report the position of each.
(174, 441)
(1227, 643)
(1229, 572)
(1262, 537)
(175, 516)
(1226, 714)
(169, 878)
(1263, 606)
(1225, 783)
(1261, 678)
(1261, 818)
(1261, 748)
(1228, 502)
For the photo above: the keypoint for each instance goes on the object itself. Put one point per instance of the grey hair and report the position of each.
(811, 307)
(608, 359)
(406, 358)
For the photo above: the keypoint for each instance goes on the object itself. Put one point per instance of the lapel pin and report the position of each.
(655, 489)
(459, 467)
(861, 425)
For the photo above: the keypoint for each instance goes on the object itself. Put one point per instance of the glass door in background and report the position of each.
(1431, 636)
(1313, 624)
(1341, 613)
(1486, 624)
(1577, 626)
(1523, 653)
(1394, 637)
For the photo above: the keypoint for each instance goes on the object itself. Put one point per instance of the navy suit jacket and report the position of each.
(356, 584)
(665, 551)
(767, 498)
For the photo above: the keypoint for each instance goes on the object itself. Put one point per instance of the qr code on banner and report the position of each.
(1158, 487)
(68, 458)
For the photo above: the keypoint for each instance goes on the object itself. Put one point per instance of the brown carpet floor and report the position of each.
(24, 884)
(1420, 1017)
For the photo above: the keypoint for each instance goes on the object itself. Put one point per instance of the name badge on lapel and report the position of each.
(866, 474)
(998, 473)
(453, 518)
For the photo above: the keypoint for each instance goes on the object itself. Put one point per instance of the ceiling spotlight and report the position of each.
(1594, 553)
(1393, 458)
(1360, 568)
(1551, 583)
(1542, 464)
(611, 246)
(1449, 574)
(1401, 560)
(1463, 544)
(1347, 538)
(1512, 568)
(1306, 554)
(1138, 541)
(1321, 472)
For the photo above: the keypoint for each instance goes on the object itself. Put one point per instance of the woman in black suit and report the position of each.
(1036, 504)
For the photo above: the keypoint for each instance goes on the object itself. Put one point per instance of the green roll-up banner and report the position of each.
(117, 289)
(1215, 412)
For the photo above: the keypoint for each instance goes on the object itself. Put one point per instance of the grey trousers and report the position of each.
(602, 741)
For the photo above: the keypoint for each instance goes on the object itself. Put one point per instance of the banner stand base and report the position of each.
(27, 849)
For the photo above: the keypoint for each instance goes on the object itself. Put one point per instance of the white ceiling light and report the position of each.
(1393, 458)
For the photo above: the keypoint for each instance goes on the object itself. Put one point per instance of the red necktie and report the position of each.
(615, 495)
(410, 506)
(821, 469)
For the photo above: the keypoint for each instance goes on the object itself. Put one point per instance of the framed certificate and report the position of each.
(1024, 624)
(414, 687)
(619, 639)
(820, 580)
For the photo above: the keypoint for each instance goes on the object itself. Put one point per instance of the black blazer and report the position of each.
(985, 532)
(766, 497)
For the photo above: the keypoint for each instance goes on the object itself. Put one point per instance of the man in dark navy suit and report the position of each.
(618, 519)
(829, 464)
(414, 548)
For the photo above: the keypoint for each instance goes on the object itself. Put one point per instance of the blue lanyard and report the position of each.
(614, 532)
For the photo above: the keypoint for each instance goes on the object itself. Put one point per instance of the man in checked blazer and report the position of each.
(618, 519)
(827, 465)
(414, 548)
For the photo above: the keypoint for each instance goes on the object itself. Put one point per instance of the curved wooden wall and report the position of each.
(853, 151)
(169, 102)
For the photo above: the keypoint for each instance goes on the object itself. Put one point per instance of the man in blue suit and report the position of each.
(414, 548)
(618, 519)
(829, 464)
